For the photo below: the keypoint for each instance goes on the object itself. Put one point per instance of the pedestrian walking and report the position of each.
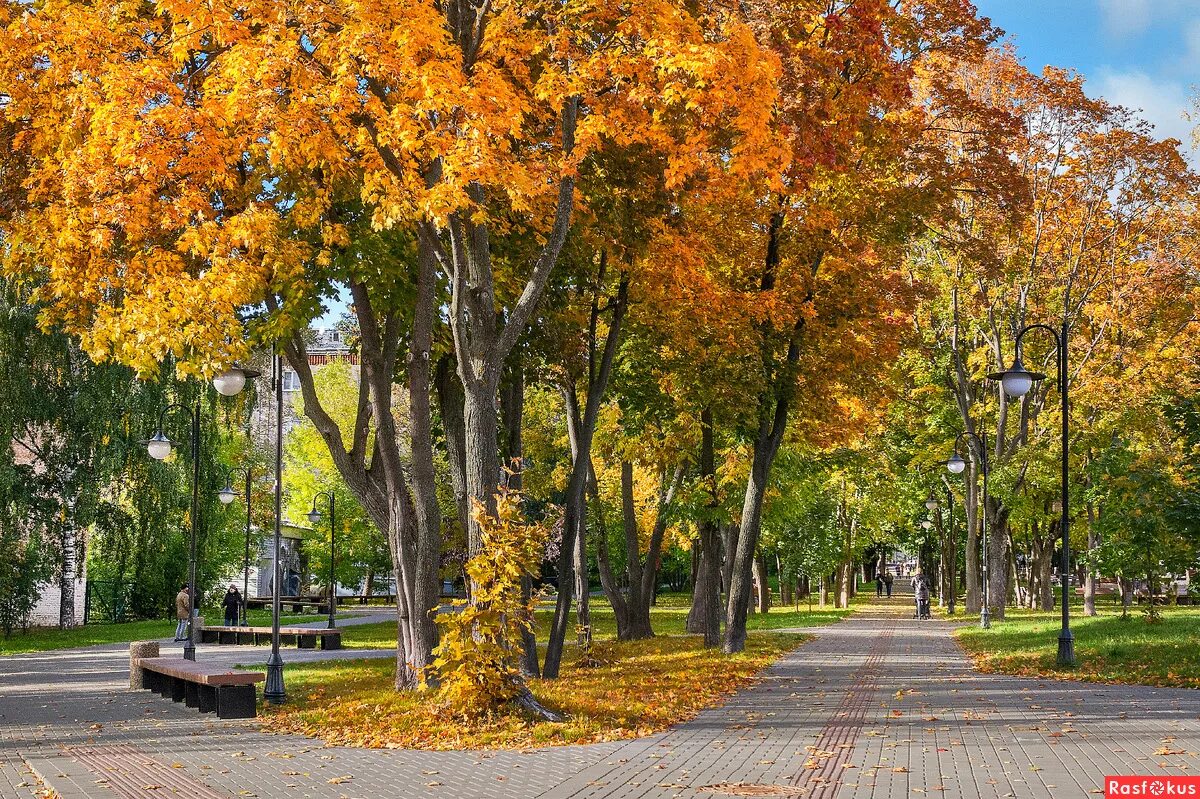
(233, 605)
(887, 583)
(879, 585)
(183, 606)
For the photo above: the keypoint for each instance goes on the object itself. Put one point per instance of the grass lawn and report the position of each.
(639, 687)
(42, 639)
(1108, 649)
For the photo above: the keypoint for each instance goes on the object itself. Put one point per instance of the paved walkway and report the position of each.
(877, 706)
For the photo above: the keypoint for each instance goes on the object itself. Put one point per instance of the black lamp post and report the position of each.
(227, 383)
(314, 517)
(1016, 382)
(956, 465)
(273, 691)
(228, 495)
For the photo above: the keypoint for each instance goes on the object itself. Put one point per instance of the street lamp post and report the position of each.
(227, 383)
(228, 495)
(1016, 382)
(314, 516)
(273, 692)
(159, 447)
(956, 465)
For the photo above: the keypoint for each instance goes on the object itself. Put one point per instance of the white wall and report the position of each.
(45, 613)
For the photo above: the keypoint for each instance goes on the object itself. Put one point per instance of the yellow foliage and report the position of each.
(477, 658)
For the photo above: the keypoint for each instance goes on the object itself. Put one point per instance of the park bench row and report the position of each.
(301, 637)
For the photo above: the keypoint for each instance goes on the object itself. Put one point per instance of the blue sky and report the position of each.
(1142, 54)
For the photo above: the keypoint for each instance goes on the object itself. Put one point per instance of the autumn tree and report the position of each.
(223, 159)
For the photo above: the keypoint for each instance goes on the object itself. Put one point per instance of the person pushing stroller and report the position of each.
(922, 599)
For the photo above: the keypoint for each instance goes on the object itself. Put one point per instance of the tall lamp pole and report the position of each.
(273, 692)
(1016, 382)
(314, 516)
(956, 465)
(228, 495)
(228, 383)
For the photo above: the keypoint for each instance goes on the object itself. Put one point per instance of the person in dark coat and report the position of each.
(887, 583)
(233, 606)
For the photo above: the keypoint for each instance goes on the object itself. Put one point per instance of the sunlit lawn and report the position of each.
(639, 687)
(1107, 647)
(42, 639)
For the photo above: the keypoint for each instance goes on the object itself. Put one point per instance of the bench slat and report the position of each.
(282, 630)
(194, 672)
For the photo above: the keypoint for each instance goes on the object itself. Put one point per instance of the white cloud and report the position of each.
(1162, 103)
(1127, 19)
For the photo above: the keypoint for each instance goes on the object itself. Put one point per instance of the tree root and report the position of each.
(529, 703)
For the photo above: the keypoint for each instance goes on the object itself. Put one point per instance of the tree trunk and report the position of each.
(512, 410)
(1090, 582)
(738, 604)
(1045, 568)
(785, 583)
(450, 403)
(1126, 586)
(705, 615)
(581, 428)
(408, 515)
(68, 566)
(582, 586)
(974, 602)
(997, 558)
(762, 585)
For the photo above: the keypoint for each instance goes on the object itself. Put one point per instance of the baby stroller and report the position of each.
(922, 600)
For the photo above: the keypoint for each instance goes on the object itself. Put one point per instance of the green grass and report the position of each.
(1107, 648)
(43, 639)
(668, 618)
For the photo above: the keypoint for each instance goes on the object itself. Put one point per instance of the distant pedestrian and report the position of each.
(879, 585)
(887, 583)
(183, 606)
(233, 606)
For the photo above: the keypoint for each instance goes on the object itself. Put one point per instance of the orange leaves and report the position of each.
(187, 160)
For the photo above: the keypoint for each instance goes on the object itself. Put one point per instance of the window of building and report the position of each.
(291, 381)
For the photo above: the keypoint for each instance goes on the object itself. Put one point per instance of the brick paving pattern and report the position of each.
(877, 706)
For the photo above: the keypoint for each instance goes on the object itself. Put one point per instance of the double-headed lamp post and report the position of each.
(957, 465)
(314, 517)
(228, 495)
(227, 383)
(1016, 382)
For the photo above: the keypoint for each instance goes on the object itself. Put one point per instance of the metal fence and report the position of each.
(107, 601)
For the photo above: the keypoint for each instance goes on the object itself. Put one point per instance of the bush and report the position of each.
(22, 571)
(477, 659)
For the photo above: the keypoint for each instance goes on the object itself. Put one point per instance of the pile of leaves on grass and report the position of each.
(636, 689)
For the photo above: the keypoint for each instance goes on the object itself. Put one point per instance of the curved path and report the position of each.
(877, 706)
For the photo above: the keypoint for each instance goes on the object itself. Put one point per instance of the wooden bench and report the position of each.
(296, 604)
(301, 637)
(229, 693)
